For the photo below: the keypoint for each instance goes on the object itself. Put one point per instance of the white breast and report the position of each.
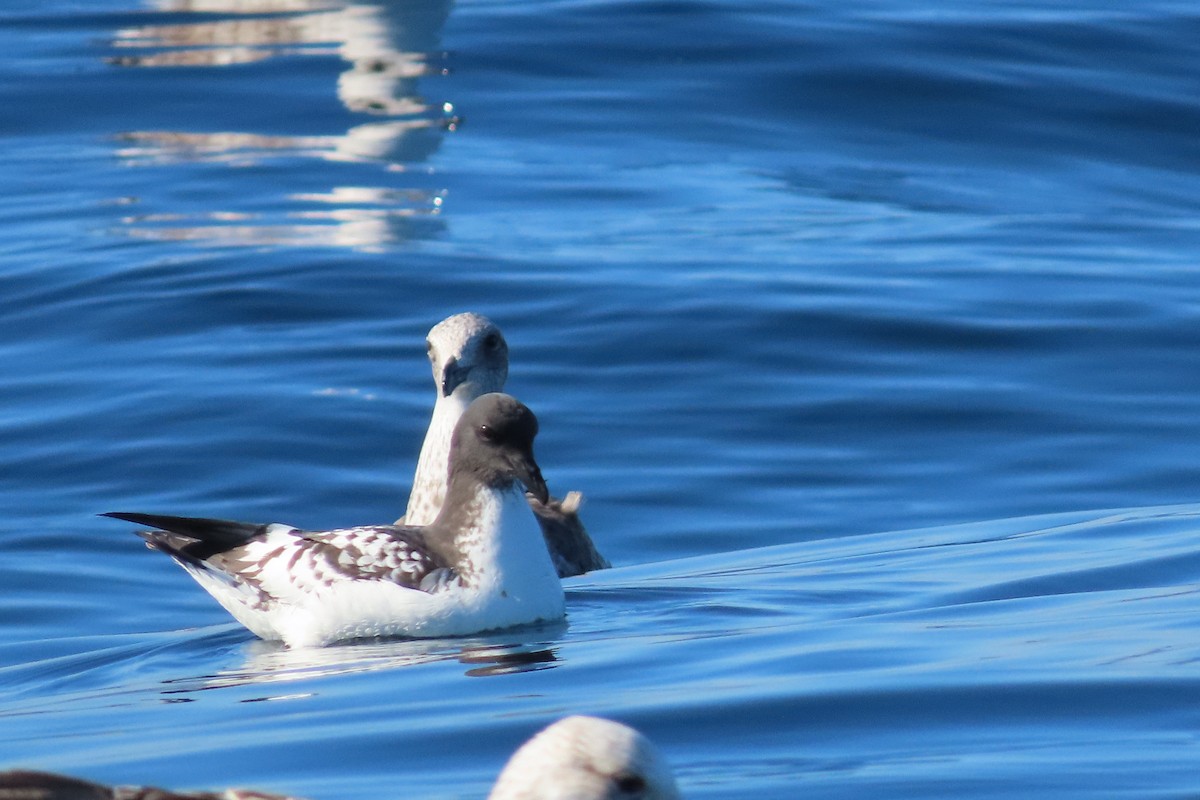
(507, 580)
(511, 574)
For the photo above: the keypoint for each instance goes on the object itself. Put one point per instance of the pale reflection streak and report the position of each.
(385, 46)
(277, 668)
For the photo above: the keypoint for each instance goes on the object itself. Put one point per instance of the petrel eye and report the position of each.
(630, 784)
(486, 433)
(492, 341)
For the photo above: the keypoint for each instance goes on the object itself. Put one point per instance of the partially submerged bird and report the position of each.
(577, 758)
(480, 565)
(586, 758)
(469, 357)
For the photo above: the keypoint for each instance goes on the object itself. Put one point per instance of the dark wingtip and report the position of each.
(127, 516)
(204, 537)
(160, 521)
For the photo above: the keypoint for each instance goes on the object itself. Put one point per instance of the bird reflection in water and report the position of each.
(386, 50)
(269, 663)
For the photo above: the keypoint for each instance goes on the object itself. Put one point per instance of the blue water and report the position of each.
(869, 331)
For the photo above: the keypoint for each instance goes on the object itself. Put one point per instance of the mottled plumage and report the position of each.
(469, 357)
(480, 565)
(577, 758)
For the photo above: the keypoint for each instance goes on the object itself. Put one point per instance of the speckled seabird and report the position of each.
(469, 357)
(586, 758)
(481, 565)
(577, 758)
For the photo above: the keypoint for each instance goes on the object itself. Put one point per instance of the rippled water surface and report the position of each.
(869, 331)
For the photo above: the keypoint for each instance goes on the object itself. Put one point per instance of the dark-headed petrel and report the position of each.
(480, 565)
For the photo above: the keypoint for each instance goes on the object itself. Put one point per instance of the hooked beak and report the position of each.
(528, 473)
(453, 376)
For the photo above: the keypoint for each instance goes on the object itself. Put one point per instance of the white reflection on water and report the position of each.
(269, 663)
(387, 48)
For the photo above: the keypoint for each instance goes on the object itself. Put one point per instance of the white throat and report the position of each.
(505, 556)
(506, 539)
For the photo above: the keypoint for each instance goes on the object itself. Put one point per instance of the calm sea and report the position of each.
(870, 331)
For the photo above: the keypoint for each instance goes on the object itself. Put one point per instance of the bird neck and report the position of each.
(429, 482)
(496, 532)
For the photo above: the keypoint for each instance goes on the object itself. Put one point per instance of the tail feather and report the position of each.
(191, 538)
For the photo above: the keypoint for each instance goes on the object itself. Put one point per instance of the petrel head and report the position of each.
(469, 356)
(586, 757)
(494, 440)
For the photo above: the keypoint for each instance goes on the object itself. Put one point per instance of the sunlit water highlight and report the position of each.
(846, 318)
